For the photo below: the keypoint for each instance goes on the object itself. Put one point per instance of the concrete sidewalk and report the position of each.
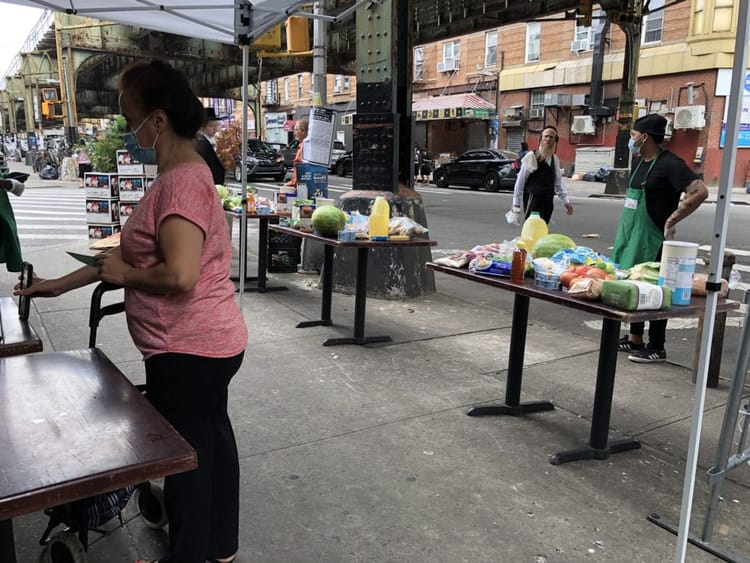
(365, 453)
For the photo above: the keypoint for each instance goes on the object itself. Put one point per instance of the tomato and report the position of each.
(566, 277)
(581, 270)
(596, 273)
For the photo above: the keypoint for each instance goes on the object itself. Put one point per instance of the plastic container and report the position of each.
(380, 217)
(518, 266)
(533, 229)
(677, 269)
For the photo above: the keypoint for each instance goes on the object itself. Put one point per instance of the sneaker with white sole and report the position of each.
(648, 355)
(625, 345)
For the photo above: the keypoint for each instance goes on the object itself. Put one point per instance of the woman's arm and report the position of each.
(181, 245)
(54, 287)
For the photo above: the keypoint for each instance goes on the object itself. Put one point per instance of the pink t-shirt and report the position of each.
(205, 321)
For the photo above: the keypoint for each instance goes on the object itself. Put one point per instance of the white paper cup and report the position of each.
(677, 268)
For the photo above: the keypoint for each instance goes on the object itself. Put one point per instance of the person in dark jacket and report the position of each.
(204, 146)
(540, 179)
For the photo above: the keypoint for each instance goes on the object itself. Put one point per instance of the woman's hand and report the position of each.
(39, 288)
(111, 267)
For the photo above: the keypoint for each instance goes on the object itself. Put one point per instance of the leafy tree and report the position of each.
(103, 151)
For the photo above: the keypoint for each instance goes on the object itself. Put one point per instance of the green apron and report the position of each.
(638, 239)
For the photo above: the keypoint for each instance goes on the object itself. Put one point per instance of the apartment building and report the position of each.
(544, 71)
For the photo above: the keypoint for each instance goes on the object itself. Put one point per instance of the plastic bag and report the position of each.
(404, 226)
(513, 218)
(735, 278)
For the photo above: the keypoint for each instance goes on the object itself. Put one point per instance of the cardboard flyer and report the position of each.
(317, 148)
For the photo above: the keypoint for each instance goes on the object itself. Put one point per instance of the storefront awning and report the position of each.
(454, 106)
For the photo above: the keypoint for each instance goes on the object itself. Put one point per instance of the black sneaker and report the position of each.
(625, 345)
(648, 356)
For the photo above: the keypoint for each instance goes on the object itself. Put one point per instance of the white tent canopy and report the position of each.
(203, 19)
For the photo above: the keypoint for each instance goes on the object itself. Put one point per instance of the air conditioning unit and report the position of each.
(583, 125)
(448, 65)
(690, 117)
(536, 113)
(514, 113)
(557, 100)
(579, 45)
(668, 130)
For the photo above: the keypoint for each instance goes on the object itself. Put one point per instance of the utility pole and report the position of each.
(319, 85)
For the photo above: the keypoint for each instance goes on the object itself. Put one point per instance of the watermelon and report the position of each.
(549, 245)
(328, 220)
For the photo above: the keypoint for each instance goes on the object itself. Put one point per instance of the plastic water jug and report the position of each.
(380, 217)
(533, 229)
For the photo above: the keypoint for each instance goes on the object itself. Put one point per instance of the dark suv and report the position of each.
(262, 160)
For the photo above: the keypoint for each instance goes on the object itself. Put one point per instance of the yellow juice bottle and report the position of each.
(533, 229)
(380, 217)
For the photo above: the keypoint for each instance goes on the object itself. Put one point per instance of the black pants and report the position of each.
(544, 204)
(657, 333)
(202, 504)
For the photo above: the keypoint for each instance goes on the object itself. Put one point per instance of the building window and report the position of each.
(419, 63)
(347, 84)
(536, 105)
(657, 106)
(287, 91)
(338, 83)
(583, 36)
(653, 22)
(490, 48)
(451, 56)
(533, 34)
(300, 87)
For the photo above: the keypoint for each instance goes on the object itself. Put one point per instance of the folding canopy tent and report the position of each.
(224, 21)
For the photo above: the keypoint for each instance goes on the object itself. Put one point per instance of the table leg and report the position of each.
(7, 543)
(325, 303)
(513, 405)
(599, 448)
(360, 301)
(261, 278)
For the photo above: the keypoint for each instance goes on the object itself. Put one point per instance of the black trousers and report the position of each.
(657, 333)
(544, 204)
(202, 504)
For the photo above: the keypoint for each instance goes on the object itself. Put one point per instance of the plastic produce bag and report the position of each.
(513, 218)
(404, 226)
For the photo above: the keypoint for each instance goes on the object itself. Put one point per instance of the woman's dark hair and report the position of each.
(155, 85)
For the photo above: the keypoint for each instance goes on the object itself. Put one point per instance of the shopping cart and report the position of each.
(90, 514)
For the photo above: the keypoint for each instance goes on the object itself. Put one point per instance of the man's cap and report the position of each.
(651, 124)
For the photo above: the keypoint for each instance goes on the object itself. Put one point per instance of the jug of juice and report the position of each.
(533, 229)
(380, 217)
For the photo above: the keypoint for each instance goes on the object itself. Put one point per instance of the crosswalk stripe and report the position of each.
(734, 251)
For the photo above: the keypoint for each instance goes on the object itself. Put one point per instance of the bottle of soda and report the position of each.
(518, 266)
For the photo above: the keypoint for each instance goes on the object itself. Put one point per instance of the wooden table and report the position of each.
(599, 447)
(261, 279)
(360, 295)
(16, 336)
(73, 426)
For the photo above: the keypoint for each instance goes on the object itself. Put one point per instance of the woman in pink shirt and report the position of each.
(174, 263)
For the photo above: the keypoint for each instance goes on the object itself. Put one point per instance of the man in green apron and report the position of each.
(653, 206)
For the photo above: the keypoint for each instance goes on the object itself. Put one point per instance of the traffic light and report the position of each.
(297, 34)
(583, 13)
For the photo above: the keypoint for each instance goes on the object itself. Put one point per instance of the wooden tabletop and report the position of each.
(361, 243)
(18, 336)
(73, 426)
(695, 309)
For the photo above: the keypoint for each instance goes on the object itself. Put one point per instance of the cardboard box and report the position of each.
(97, 232)
(126, 210)
(283, 203)
(126, 164)
(303, 210)
(151, 170)
(100, 185)
(132, 188)
(102, 211)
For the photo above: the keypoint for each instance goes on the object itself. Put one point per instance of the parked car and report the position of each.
(338, 150)
(289, 152)
(343, 164)
(489, 169)
(261, 161)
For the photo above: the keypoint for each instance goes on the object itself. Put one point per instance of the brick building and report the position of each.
(544, 72)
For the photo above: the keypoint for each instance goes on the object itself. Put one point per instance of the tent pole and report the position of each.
(721, 221)
(243, 165)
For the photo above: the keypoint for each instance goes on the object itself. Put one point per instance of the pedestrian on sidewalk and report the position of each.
(653, 207)
(300, 133)
(539, 180)
(174, 263)
(82, 160)
(204, 146)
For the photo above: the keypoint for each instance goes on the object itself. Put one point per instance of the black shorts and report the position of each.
(84, 167)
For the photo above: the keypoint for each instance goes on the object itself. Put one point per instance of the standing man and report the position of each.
(204, 146)
(300, 133)
(540, 179)
(652, 209)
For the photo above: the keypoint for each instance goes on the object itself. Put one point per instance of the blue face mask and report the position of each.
(632, 147)
(144, 155)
